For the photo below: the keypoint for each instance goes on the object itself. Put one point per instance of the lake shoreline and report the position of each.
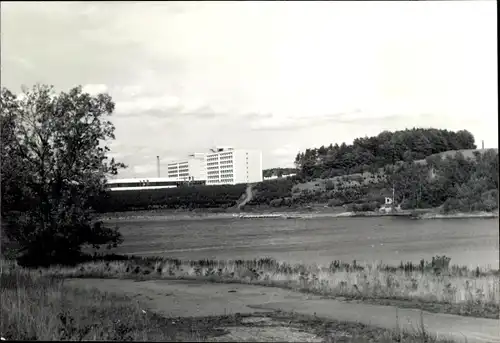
(319, 238)
(205, 215)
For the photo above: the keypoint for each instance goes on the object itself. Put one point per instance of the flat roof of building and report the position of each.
(143, 179)
(212, 151)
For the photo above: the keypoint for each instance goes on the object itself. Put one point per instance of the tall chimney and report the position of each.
(482, 145)
(158, 165)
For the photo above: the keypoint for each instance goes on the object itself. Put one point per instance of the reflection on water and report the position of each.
(468, 242)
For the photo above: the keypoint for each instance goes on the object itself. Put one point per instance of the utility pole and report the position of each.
(158, 165)
(482, 145)
(393, 200)
(419, 194)
(393, 171)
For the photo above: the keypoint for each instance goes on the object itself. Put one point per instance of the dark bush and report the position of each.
(188, 197)
(334, 203)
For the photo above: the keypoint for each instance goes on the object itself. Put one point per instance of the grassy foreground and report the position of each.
(39, 306)
(433, 286)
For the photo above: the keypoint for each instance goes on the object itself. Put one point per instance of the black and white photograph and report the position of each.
(249, 171)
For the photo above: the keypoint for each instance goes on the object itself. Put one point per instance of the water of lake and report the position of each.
(468, 242)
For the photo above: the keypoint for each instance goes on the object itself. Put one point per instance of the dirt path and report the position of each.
(179, 298)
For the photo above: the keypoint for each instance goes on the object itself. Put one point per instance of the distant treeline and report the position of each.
(372, 153)
(192, 197)
(184, 197)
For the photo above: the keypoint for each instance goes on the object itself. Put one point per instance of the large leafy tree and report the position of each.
(54, 163)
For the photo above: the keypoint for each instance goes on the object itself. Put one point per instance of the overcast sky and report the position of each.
(274, 76)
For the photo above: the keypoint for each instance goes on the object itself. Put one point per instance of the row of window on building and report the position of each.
(220, 165)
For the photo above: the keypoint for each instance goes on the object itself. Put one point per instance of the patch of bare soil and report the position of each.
(266, 329)
(263, 327)
(277, 326)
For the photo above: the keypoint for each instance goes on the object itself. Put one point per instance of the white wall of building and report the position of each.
(226, 165)
(255, 158)
(240, 167)
(192, 167)
(248, 166)
(197, 168)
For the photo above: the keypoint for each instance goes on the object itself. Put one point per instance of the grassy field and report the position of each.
(37, 305)
(432, 286)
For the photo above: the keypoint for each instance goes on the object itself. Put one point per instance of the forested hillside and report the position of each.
(454, 182)
(451, 183)
(372, 153)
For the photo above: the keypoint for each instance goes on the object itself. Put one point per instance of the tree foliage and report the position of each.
(184, 197)
(267, 191)
(371, 153)
(54, 163)
(454, 183)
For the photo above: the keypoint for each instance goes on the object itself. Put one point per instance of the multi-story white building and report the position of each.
(191, 168)
(222, 165)
(284, 176)
(225, 165)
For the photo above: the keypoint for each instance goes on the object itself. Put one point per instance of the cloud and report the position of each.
(147, 104)
(24, 62)
(131, 90)
(198, 74)
(275, 123)
(147, 169)
(285, 150)
(285, 155)
(164, 107)
(368, 117)
(133, 100)
(381, 116)
(94, 89)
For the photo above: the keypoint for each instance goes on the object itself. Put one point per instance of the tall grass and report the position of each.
(37, 305)
(432, 285)
(40, 307)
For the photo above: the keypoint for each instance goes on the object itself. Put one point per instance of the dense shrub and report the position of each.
(329, 185)
(269, 190)
(185, 197)
(364, 207)
(456, 183)
(54, 163)
(276, 202)
(335, 203)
